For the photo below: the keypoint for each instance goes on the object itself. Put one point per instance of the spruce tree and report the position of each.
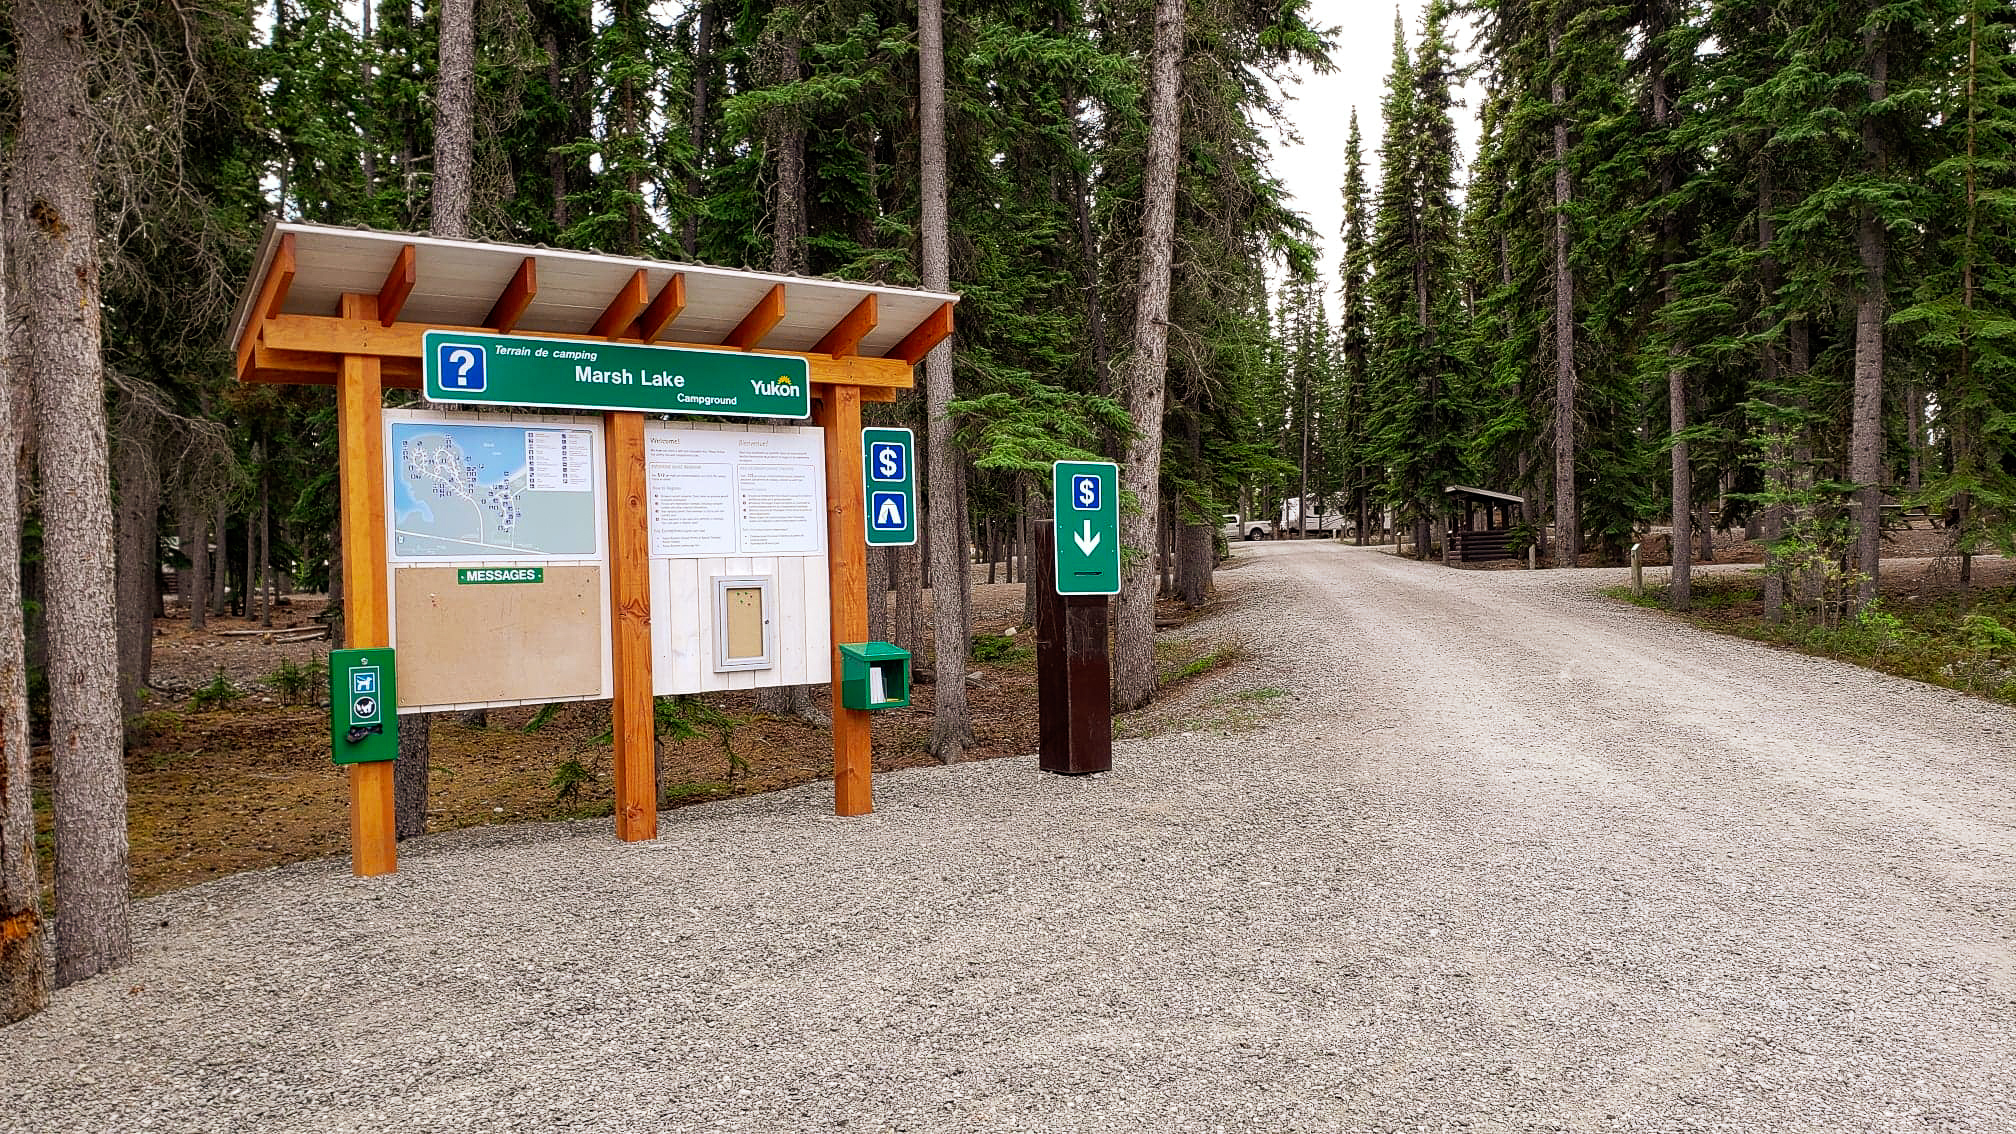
(1418, 364)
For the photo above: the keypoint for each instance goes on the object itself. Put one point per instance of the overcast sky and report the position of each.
(1320, 114)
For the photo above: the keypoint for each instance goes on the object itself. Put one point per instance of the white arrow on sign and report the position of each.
(889, 517)
(1086, 540)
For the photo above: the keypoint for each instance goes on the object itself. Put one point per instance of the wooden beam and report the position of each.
(846, 335)
(272, 296)
(839, 414)
(398, 285)
(631, 723)
(935, 329)
(761, 320)
(517, 296)
(622, 310)
(670, 302)
(367, 620)
(301, 346)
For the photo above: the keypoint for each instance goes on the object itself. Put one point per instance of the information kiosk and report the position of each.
(631, 478)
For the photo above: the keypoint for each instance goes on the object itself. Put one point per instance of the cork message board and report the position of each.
(745, 623)
(462, 645)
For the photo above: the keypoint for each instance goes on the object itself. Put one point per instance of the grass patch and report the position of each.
(1000, 648)
(1179, 661)
(676, 794)
(1931, 638)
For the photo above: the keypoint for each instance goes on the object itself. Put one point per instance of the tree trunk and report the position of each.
(220, 564)
(556, 159)
(139, 506)
(906, 621)
(1865, 446)
(1774, 514)
(1799, 358)
(185, 538)
(25, 973)
(59, 276)
(1199, 550)
(787, 140)
(265, 549)
(951, 723)
(1302, 499)
(199, 570)
(251, 582)
(448, 216)
(410, 774)
(1146, 379)
(364, 91)
(703, 61)
(1914, 428)
(334, 609)
(454, 121)
(1681, 578)
(786, 137)
(1567, 509)
(878, 594)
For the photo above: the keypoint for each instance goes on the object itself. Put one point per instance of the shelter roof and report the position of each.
(460, 283)
(1482, 493)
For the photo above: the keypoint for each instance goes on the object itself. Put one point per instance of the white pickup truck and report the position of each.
(1325, 522)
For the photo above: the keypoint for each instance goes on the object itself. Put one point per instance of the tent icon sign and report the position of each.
(888, 511)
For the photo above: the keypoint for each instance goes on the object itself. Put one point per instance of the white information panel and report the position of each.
(497, 538)
(720, 492)
(736, 501)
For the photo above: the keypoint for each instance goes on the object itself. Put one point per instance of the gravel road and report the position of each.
(1504, 855)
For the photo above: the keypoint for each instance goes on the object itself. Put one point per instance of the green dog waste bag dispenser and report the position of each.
(363, 706)
(874, 675)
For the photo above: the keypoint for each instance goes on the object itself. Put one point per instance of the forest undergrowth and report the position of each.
(1924, 626)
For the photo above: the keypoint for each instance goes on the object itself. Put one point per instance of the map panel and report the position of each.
(492, 491)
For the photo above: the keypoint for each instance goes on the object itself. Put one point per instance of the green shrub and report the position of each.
(1982, 632)
(687, 717)
(296, 683)
(568, 779)
(997, 647)
(218, 694)
(541, 718)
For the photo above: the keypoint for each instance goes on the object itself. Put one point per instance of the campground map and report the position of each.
(492, 491)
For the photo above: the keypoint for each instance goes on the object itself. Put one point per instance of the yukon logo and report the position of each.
(783, 387)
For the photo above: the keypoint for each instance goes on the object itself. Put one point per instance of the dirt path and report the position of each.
(1451, 850)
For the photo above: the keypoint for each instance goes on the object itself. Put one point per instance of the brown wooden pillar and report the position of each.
(1074, 675)
(367, 620)
(839, 414)
(630, 717)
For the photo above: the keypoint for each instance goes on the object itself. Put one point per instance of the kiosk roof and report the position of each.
(457, 282)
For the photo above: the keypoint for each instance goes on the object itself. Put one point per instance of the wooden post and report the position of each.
(839, 414)
(367, 621)
(1074, 676)
(630, 716)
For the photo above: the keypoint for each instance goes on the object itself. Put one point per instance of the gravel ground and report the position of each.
(1505, 856)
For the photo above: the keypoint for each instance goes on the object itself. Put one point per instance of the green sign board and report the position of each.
(363, 706)
(1085, 496)
(467, 575)
(889, 486)
(519, 370)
